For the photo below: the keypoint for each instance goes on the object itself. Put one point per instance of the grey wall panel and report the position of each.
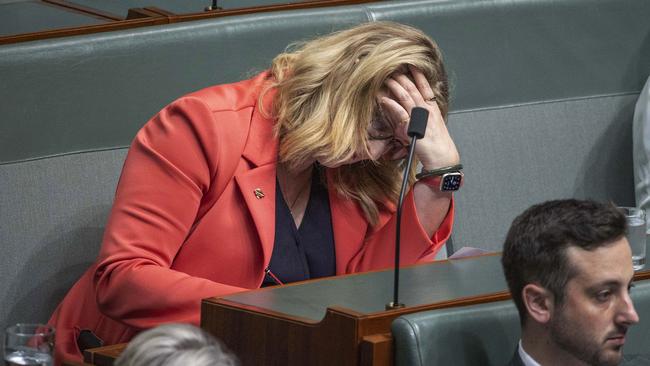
(519, 51)
(88, 92)
(52, 216)
(518, 156)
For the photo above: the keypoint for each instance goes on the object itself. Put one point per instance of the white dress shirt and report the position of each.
(525, 357)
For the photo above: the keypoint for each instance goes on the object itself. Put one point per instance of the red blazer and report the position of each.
(186, 223)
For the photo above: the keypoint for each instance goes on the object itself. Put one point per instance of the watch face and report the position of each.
(451, 181)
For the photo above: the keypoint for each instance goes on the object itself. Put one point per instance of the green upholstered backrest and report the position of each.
(474, 335)
(93, 92)
(638, 339)
(486, 334)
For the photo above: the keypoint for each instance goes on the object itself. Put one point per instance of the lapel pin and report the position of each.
(258, 193)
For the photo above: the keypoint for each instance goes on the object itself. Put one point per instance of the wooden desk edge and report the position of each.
(465, 301)
(104, 356)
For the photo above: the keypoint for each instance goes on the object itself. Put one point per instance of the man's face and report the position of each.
(591, 323)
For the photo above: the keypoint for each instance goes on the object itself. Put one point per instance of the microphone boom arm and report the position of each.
(417, 126)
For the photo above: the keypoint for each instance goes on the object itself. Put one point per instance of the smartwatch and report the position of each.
(447, 179)
(448, 182)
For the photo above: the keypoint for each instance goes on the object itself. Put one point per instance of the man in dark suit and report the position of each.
(569, 269)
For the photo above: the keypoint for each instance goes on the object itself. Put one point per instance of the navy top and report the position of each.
(308, 251)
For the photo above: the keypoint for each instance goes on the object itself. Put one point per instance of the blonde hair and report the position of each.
(326, 92)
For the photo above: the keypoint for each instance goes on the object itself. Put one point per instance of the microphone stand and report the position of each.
(416, 128)
(214, 6)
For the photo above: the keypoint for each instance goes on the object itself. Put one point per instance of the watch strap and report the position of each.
(424, 173)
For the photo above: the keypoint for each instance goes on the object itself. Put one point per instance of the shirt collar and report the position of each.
(525, 357)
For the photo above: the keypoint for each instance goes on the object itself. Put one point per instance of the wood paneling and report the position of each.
(83, 9)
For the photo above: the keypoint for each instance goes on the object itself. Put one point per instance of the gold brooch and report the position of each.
(258, 193)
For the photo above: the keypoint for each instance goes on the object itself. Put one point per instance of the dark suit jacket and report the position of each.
(516, 360)
(633, 360)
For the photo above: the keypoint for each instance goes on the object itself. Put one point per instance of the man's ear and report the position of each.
(539, 302)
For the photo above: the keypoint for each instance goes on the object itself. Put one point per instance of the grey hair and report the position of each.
(175, 345)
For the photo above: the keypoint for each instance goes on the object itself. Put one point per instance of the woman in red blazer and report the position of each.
(195, 211)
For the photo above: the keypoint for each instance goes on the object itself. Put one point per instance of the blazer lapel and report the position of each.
(258, 184)
(258, 188)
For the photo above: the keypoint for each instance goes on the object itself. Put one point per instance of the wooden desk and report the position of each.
(339, 320)
(342, 320)
(104, 356)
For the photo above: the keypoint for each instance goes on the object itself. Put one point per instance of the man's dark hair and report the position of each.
(535, 247)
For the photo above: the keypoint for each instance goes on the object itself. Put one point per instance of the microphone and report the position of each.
(214, 6)
(416, 128)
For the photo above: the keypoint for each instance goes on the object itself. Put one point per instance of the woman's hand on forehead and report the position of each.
(436, 149)
(404, 91)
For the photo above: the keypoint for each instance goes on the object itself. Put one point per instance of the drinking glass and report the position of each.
(29, 344)
(636, 235)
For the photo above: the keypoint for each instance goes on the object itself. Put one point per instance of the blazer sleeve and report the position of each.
(378, 249)
(170, 165)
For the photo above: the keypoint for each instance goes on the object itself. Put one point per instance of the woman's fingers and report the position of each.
(404, 91)
(436, 149)
(411, 92)
(422, 84)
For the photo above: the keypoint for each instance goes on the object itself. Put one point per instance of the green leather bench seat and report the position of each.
(486, 334)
